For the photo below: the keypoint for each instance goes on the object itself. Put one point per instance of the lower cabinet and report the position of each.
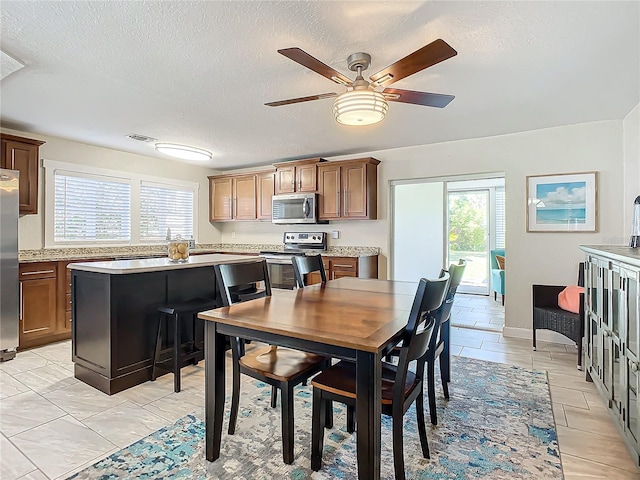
(38, 286)
(45, 302)
(337, 267)
(612, 336)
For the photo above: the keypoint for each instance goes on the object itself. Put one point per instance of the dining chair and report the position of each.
(282, 368)
(400, 386)
(304, 265)
(439, 347)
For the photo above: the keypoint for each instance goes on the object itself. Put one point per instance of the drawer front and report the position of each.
(347, 264)
(341, 273)
(29, 271)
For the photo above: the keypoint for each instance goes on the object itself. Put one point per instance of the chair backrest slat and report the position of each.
(418, 332)
(236, 281)
(303, 265)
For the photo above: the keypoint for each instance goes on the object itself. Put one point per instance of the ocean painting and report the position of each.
(561, 203)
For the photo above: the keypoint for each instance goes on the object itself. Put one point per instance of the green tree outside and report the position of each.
(467, 220)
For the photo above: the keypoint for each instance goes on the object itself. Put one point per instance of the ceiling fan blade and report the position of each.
(436, 52)
(301, 99)
(303, 58)
(417, 98)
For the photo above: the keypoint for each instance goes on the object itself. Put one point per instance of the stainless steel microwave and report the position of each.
(294, 208)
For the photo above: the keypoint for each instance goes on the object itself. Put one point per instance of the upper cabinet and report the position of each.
(245, 196)
(266, 189)
(297, 176)
(22, 154)
(232, 197)
(348, 189)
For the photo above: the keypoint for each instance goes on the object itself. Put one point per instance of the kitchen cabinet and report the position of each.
(38, 300)
(45, 302)
(266, 189)
(348, 190)
(22, 154)
(612, 339)
(338, 267)
(297, 176)
(232, 197)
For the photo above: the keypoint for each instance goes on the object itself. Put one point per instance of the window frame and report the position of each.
(135, 180)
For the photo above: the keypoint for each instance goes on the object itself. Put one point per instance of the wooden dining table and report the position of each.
(349, 318)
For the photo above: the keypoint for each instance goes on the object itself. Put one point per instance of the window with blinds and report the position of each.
(500, 218)
(91, 208)
(163, 207)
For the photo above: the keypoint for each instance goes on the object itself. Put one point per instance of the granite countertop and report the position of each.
(143, 265)
(131, 252)
(621, 253)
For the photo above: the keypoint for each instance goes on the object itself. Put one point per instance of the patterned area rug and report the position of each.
(498, 424)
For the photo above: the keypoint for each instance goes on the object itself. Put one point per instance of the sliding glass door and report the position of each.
(436, 222)
(469, 237)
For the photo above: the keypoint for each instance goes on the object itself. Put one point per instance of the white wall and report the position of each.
(631, 138)
(547, 258)
(31, 227)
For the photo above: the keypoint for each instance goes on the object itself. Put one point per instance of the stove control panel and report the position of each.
(308, 240)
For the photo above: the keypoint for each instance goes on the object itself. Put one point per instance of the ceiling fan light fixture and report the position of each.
(360, 107)
(183, 152)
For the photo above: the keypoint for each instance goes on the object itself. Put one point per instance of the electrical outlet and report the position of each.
(233, 234)
(335, 234)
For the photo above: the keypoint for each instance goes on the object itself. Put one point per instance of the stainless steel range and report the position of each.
(295, 243)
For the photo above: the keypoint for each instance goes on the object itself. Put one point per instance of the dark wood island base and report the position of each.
(115, 314)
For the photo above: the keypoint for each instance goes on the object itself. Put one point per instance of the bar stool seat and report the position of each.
(179, 312)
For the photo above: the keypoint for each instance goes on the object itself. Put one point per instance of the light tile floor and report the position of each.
(477, 311)
(52, 425)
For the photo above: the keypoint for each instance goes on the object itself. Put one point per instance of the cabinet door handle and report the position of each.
(230, 208)
(606, 333)
(39, 272)
(345, 202)
(21, 301)
(338, 202)
(634, 366)
(343, 266)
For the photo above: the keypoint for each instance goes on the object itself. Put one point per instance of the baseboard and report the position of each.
(541, 335)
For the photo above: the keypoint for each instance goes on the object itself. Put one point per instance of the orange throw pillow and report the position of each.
(569, 298)
(501, 261)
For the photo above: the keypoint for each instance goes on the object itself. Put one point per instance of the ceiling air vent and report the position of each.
(141, 138)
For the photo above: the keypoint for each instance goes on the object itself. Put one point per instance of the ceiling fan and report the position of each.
(362, 104)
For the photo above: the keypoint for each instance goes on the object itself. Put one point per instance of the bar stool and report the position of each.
(178, 312)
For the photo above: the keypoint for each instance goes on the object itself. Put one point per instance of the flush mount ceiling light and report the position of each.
(360, 107)
(183, 151)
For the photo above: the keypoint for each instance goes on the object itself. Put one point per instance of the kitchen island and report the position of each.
(115, 313)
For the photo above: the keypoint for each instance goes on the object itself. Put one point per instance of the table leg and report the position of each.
(368, 411)
(214, 370)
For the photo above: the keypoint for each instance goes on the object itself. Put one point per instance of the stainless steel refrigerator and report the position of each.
(9, 287)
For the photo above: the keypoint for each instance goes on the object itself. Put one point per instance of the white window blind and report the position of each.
(500, 219)
(165, 206)
(91, 208)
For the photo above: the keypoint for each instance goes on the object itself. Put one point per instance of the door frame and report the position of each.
(445, 227)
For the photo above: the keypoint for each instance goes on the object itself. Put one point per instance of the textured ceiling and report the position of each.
(198, 73)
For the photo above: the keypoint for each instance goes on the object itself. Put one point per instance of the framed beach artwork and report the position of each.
(562, 203)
